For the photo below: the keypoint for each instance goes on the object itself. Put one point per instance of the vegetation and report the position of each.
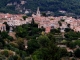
(77, 53)
(40, 46)
(24, 17)
(71, 6)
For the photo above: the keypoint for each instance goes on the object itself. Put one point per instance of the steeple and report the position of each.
(38, 12)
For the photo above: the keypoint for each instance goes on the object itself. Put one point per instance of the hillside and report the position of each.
(13, 6)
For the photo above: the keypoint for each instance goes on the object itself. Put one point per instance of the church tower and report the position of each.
(38, 12)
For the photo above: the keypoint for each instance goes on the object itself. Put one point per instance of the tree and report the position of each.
(72, 45)
(2, 41)
(40, 54)
(60, 24)
(10, 58)
(20, 42)
(32, 22)
(62, 20)
(70, 54)
(51, 52)
(1, 45)
(30, 31)
(48, 49)
(19, 58)
(71, 35)
(55, 31)
(68, 25)
(20, 32)
(7, 26)
(43, 40)
(28, 58)
(10, 38)
(54, 51)
(32, 45)
(2, 57)
(44, 14)
(77, 42)
(4, 34)
(5, 52)
(73, 59)
(24, 17)
(77, 53)
(15, 57)
(51, 37)
(63, 52)
(68, 30)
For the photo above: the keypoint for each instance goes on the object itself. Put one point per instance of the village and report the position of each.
(48, 23)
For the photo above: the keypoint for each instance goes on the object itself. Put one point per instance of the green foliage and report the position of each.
(51, 37)
(60, 24)
(63, 52)
(1, 45)
(2, 57)
(5, 52)
(15, 57)
(45, 5)
(40, 47)
(10, 58)
(44, 14)
(77, 42)
(7, 26)
(28, 31)
(32, 22)
(4, 34)
(62, 20)
(20, 42)
(48, 49)
(10, 38)
(27, 58)
(55, 31)
(40, 54)
(43, 41)
(72, 35)
(73, 58)
(14, 44)
(68, 25)
(54, 5)
(20, 31)
(24, 17)
(77, 53)
(19, 58)
(73, 44)
(68, 30)
(1, 41)
(32, 45)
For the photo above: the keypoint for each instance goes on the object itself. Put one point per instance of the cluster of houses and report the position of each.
(51, 22)
(12, 20)
(48, 23)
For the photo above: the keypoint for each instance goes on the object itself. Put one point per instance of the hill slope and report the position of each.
(45, 5)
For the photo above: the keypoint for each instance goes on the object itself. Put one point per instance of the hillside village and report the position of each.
(48, 23)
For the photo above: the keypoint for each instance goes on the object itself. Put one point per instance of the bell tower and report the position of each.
(38, 12)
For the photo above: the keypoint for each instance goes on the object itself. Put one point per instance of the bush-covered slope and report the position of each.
(51, 5)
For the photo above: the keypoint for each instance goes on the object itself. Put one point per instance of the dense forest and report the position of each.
(72, 6)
